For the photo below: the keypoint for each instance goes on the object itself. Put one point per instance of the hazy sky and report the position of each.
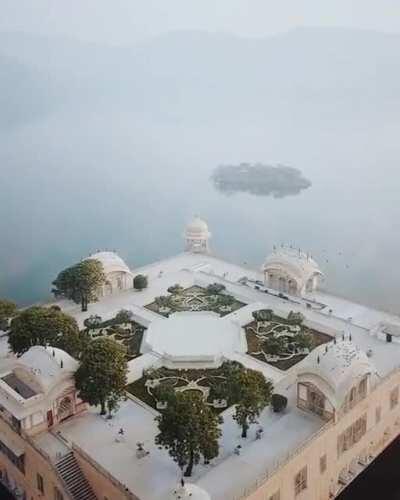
(129, 21)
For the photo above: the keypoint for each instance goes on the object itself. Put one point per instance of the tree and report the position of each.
(44, 326)
(123, 316)
(163, 301)
(81, 282)
(175, 289)
(189, 430)
(225, 300)
(304, 340)
(263, 315)
(140, 282)
(274, 345)
(215, 288)
(92, 322)
(296, 318)
(7, 310)
(101, 376)
(252, 393)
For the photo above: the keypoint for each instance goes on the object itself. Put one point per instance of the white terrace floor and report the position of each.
(155, 476)
(189, 269)
(151, 478)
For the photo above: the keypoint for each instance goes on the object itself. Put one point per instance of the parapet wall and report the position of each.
(323, 485)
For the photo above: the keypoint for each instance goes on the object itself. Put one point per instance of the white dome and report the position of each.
(197, 227)
(44, 363)
(293, 261)
(338, 366)
(292, 271)
(111, 261)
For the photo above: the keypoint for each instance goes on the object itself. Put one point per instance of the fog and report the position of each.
(113, 147)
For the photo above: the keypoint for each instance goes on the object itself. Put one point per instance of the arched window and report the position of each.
(65, 408)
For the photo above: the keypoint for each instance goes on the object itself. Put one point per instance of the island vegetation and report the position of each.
(259, 179)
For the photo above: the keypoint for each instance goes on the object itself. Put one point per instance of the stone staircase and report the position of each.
(75, 480)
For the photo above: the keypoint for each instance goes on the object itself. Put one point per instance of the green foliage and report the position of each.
(304, 340)
(81, 282)
(163, 301)
(92, 322)
(140, 282)
(274, 345)
(278, 402)
(44, 326)
(7, 310)
(263, 315)
(176, 289)
(189, 430)
(225, 300)
(163, 392)
(123, 316)
(252, 393)
(215, 288)
(101, 376)
(295, 318)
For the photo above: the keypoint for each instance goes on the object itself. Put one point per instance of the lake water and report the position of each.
(73, 183)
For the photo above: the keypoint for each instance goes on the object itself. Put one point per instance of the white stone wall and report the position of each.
(320, 485)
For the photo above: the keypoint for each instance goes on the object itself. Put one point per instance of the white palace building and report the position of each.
(343, 396)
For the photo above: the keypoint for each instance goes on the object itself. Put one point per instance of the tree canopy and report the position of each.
(44, 326)
(189, 430)
(215, 288)
(140, 282)
(263, 315)
(123, 316)
(7, 310)
(175, 289)
(295, 318)
(101, 376)
(93, 321)
(80, 282)
(252, 393)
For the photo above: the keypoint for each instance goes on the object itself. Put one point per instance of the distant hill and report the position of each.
(328, 73)
(25, 93)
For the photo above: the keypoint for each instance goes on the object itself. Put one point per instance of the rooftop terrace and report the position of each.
(153, 477)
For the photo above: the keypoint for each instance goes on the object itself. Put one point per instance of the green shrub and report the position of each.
(278, 402)
(140, 282)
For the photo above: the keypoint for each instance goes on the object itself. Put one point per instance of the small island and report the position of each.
(259, 179)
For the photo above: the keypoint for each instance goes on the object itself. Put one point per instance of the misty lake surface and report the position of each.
(74, 183)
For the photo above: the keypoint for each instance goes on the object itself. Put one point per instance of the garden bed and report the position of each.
(280, 342)
(195, 298)
(211, 382)
(128, 334)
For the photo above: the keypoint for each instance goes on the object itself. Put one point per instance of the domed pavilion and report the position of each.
(291, 271)
(197, 236)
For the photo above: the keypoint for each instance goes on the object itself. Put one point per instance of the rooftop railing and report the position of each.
(280, 463)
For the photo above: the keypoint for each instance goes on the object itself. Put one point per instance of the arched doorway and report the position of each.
(65, 408)
(282, 284)
(292, 287)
